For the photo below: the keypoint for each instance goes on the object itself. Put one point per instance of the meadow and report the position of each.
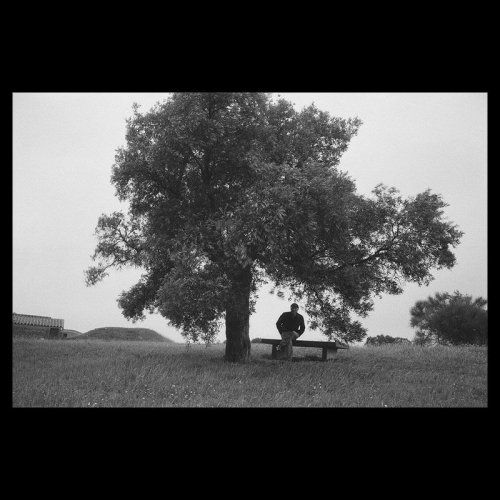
(96, 373)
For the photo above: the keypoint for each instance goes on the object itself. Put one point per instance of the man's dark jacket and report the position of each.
(287, 323)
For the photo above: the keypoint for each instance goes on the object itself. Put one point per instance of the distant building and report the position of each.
(26, 325)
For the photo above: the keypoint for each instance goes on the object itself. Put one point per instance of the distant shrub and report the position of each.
(256, 340)
(454, 319)
(386, 339)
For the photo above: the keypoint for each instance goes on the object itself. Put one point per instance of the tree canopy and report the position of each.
(386, 339)
(450, 318)
(229, 190)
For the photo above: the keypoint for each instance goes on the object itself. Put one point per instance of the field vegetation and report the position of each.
(96, 373)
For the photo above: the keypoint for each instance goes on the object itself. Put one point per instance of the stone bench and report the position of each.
(325, 346)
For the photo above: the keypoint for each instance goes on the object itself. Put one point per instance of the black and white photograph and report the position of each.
(249, 249)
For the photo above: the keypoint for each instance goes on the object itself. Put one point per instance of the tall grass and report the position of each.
(93, 373)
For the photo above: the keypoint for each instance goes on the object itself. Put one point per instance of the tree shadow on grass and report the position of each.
(295, 359)
(307, 357)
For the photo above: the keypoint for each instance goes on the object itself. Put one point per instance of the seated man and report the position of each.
(291, 326)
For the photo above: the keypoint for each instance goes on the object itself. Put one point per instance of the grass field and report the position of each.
(95, 373)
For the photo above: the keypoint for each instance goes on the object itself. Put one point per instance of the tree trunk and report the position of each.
(238, 317)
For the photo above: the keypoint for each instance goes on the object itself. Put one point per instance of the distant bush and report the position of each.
(386, 339)
(450, 319)
(256, 340)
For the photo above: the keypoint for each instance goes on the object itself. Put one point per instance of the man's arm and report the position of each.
(302, 326)
(278, 323)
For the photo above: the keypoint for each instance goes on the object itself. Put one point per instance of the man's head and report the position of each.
(294, 308)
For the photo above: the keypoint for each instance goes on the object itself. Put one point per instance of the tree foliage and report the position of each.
(386, 339)
(229, 190)
(451, 319)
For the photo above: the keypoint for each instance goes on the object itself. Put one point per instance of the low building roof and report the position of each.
(30, 320)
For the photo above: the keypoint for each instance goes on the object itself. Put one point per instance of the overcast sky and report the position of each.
(63, 151)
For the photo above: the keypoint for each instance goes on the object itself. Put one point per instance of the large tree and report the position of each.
(229, 190)
(450, 319)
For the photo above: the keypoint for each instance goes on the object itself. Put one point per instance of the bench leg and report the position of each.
(324, 355)
(273, 352)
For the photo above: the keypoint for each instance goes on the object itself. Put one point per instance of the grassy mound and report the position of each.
(117, 333)
(71, 333)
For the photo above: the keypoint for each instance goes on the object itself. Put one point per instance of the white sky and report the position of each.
(63, 151)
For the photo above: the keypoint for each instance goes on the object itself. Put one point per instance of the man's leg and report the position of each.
(284, 336)
(285, 346)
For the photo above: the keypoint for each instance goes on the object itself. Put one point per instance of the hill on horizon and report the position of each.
(71, 333)
(120, 333)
